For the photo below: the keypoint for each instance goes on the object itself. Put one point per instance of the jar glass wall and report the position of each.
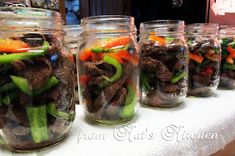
(227, 71)
(36, 79)
(205, 58)
(164, 63)
(108, 65)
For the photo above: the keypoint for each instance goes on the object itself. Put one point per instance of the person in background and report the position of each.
(72, 12)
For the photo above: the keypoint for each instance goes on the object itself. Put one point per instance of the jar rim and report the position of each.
(110, 18)
(202, 29)
(163, 22)
(29, 13)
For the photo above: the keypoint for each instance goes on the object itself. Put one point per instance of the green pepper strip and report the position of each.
(177, 77)
(5, 59)
(51, 109)
(228, 66)
(112, 61)
(23, 85)
(99, 50)
(8, 87)
(145, 82)
(9, 98)
(129, 107)
(113, 49)
(37, 117)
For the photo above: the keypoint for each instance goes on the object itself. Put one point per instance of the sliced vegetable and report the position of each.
(228, 66)
(231, 51)
(5, 59)
(160, 40)
(84, 79)
(8, 87)
(177, 77)
(23, 85)
(51, 109)
(122, 55)
(9, 98)
(85, 55)
(129, 107)
(12, 46)
(119, 41)
(145, 82)
(112, 61)
(207, 71)
(196, 57)
(99, 50)
(229, 59)
(37, 118)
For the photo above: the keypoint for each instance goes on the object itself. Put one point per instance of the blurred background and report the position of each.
(191, 11)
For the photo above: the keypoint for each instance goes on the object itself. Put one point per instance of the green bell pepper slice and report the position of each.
(5, 59)
(228, 66)
(130, 102)
(119, 71)
(23, 85)
(9, 98)
(37, 117)
(51, 109)
(8, 87)
(177, 77)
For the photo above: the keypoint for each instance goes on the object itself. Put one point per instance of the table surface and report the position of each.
(199, 127)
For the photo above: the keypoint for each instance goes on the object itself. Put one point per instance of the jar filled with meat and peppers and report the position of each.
(36, 79)
(164, 63)
(227, 68)
(205, 58)
(73, 40)
(108, 65)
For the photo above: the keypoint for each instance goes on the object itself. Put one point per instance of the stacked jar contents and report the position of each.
(227, 71)
(205, 57)
(73, 41)
(164, 63)
(108, 64)
(36, 79)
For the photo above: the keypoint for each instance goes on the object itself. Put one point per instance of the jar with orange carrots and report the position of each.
(205, 58)
(108, 64)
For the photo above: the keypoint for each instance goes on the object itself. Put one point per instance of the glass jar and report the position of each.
(36, 79)
(164, 63)
(227, 71)
(73, 40)
(205, 58)
(108, 69)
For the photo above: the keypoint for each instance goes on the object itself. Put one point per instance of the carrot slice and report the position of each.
(117, 42)
(196, 57)
(13, 46)
(160, 40)
(85, 55)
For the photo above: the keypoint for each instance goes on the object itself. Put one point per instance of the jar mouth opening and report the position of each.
(28, 13)
(202, 29)
(163, 22)
(21, 19)
(162, 27)
(108, 24)
(107, 18)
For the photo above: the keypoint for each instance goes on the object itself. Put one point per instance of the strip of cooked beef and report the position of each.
(3, 111)
(112, 110)
(43, 69)
(152, 65)
(19, 65)
(203, 80)
(62, 94)
(108, 93)
(171, 88)
(95, 80)
(98, 68)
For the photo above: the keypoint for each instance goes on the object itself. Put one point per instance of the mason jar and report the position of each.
(164, 63)
(227, 71)
(73, 40)
(205, 58)
(36, 79)
(108, 63)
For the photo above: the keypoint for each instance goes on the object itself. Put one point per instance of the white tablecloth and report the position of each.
(199, 127)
